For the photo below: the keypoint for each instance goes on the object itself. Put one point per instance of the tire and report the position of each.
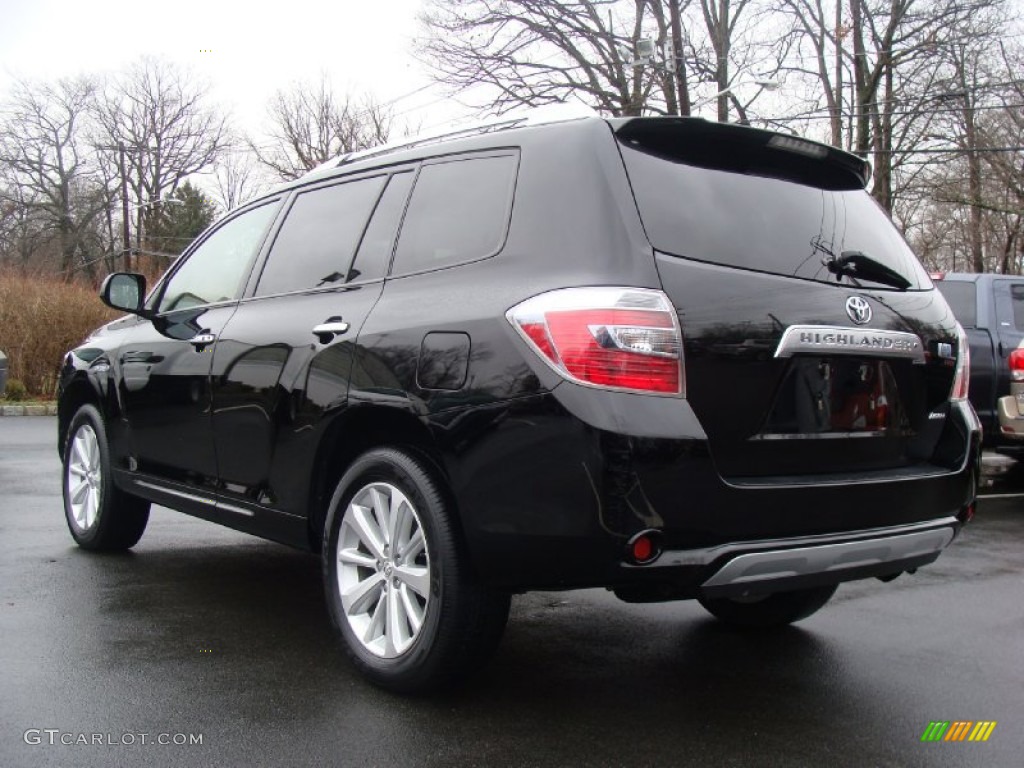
(409, 609)
(100, 516)
(773, 610)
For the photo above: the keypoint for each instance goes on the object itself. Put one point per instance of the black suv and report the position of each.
(672, 358)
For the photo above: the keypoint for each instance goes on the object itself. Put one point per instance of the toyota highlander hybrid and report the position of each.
(667, 357)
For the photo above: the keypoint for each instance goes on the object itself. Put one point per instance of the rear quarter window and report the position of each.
(459, 212)
(962, 297)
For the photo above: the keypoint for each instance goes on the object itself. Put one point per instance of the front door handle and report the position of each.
(202, 340)
(327, 330)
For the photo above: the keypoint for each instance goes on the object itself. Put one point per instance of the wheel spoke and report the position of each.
(413, 611)
(362, 522)
(358, 598)
(380, 513)
(77, 493)
(397, 517)
(81, 450)
(90, 508)
(398, 627)
(417, 577)
(414, 547)
(94, 450)
(375, 629)
(355, 557)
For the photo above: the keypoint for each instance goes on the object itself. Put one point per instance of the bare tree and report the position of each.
(44, 159)
(722, 19)
(312, 124)
(535, 52)
(158, 113)
(237, 179)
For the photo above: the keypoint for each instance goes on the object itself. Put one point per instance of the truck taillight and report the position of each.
(1016, 361)
(962, 378)
(614, 338)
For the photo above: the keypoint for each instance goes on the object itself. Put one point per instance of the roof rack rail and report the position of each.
(551, 113)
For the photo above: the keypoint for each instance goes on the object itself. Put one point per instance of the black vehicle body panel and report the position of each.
(550, 478)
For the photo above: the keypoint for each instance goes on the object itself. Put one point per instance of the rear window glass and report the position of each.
(962, 298)
(762, 222)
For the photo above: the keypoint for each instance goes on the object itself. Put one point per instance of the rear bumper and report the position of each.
(551, 493)
(790, 564)
(1011, 417)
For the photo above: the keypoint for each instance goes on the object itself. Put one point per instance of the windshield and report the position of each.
(758, 219)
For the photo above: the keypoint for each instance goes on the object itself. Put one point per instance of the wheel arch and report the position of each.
(352, 434)
(80, 391)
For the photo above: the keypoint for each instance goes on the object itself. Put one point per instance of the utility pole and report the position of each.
(125, 229)
(678, 65)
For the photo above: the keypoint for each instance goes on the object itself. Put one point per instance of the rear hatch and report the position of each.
(814, 341)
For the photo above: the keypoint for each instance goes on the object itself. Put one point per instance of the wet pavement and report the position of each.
(203, 632)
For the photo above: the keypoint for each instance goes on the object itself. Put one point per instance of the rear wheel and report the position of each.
(100, 515)
(772, 610)
(410, 611)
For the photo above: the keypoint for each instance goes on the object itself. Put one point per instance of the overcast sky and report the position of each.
(246, 50)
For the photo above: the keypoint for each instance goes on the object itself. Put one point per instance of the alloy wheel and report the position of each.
(383, 570)
(85, 478)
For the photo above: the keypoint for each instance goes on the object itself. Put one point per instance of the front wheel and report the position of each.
(400, 590)
(100, 515)
(766, 611)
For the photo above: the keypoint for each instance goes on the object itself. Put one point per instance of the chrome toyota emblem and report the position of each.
(858, 309)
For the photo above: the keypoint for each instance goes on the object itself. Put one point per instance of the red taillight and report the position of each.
(1016, 361)
(962, 378)
(618, 338)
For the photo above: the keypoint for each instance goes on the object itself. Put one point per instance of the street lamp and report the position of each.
(158, 201)
(762, 84)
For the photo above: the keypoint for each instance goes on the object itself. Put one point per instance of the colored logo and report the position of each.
(958, 730)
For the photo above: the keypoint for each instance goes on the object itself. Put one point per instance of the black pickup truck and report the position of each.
(991, 310)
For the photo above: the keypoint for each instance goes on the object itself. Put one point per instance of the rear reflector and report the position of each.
(1017, 365)
(644, 547)
(614, 338)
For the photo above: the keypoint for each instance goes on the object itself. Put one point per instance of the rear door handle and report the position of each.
(326, 331)
(202, 340)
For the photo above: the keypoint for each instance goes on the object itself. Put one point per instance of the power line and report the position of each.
(825, 113)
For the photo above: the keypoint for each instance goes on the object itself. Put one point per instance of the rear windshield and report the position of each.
(962, 297)
(735, 202)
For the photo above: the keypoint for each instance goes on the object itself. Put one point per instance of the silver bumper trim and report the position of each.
(774, 565)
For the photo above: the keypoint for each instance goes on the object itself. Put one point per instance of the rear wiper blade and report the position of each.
(860, 266)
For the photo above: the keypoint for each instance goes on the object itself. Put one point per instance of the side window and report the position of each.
(1017, 297)
(216, 270)
(375, 250)
(459, 212)
(962, 297)
(315, 245)
(1010, 305)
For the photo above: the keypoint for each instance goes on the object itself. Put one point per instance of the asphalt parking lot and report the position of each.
(204, 632)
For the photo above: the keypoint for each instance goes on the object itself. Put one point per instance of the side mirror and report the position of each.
(125, 291)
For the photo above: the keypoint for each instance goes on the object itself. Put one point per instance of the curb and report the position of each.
(49, 409)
